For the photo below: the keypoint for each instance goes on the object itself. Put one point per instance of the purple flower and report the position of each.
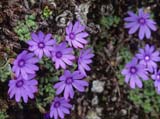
(76, 35)
(156, 78)
(46, 116)
(133, 72)
(148, 57)
(23, 88)
(84, 60)
(24, 64)
(62, 55)
(142, 22)
(59, 107)
(68, 81)
(41, 44)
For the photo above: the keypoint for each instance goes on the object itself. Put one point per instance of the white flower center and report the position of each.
(147, 58)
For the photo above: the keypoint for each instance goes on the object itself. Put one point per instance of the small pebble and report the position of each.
(92, 115)
(123, 112)
(95, 100)
(114, 99)
(98, 86)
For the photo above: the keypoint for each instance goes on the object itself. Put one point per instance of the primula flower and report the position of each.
(149, 57)
(76, 35)
(62, 55)
(156, 78)
(59, 107)
(68, 81)
(24, 64)
(142, 21)
(133, 72)
(41, 44)
(23, 88)
(85, 59)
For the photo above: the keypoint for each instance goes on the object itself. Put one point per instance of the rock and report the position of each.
(99, 111)
(64, 19)
(95, 100)
(114, 99)
(134, 117)
(92, 115)
(98, 86)
(123, 112)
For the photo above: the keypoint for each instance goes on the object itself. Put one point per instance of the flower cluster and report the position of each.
(141, 22)
(24, 85)
(63, 55)
(142, 65)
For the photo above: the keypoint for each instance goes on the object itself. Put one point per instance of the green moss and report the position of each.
(147, 98)
(3, 115)
(109, 21)
(25, 27)
(125, 56)
(5, 69)
(46, 81)
(46, 12)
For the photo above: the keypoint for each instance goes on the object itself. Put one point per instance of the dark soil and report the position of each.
(113, 102)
